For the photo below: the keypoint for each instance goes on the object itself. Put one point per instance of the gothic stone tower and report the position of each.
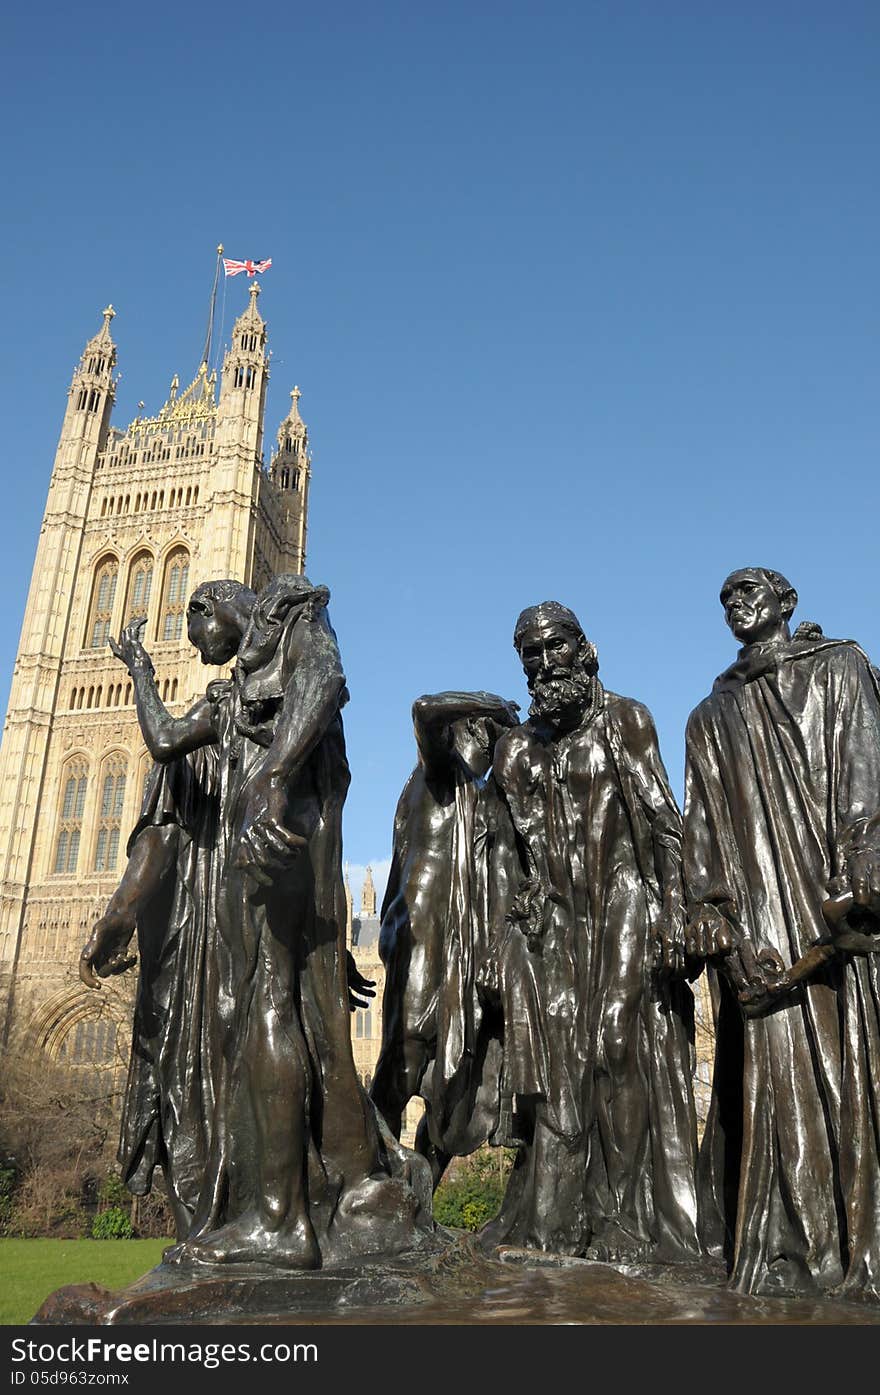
(134, 521)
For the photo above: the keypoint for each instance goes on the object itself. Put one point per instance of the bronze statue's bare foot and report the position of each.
(247, 1241)
(613, 1244)
(375, 1197)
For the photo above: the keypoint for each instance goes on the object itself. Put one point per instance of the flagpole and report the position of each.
(206, 355)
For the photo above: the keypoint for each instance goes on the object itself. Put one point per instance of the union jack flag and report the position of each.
(233, 268)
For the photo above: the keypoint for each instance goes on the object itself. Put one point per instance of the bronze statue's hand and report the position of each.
(755, 999)
(105, 952)
(357, 984)
(669, 939)
(267, 844)
(130, 649)
(854, 930)
(528, 911)
(708, 934)
(758, 976)
(509, 714)
(864, 877)
(856, 942)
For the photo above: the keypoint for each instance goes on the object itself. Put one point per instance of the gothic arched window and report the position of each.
(140, 583)
(74, 783)
(110, 813)
(147, 777)
(91, 1041)
(103, 596)
(174, 594)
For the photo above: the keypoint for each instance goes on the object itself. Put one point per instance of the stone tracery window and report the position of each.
(175, 597)
(140, 584)
(91, 1041)
(103, 596)
(148, 768)
(74, 783)
(110, 813)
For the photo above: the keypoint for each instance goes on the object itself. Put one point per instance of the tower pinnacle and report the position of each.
(368, 894)
(102, 340)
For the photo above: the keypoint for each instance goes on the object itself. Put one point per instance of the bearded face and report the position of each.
(560, 668)
(560, 702)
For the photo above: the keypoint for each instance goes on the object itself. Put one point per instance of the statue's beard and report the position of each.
(562, 701)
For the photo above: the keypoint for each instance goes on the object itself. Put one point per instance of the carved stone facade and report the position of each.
(134, 521)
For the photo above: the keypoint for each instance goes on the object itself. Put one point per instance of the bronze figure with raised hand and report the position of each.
(166, 894)
(243, 1083)
(782, 868)
(299, 1172)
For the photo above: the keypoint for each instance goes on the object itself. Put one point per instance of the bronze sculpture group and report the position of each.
(546, 912)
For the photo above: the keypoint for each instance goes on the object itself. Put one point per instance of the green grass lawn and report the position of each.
(32, 1269)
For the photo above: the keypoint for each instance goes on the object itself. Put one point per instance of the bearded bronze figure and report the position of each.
(597, 1019)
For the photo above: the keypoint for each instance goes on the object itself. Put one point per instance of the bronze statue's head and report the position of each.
(758, 604)
(560, 663)
(217, 616)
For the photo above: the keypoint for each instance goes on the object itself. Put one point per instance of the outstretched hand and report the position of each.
(129, 647)
(106, 950)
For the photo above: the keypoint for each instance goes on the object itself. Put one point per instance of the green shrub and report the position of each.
(112, 1224)
(113, 1191)
(467, 1204)
(8, 1183)
(472, 1193)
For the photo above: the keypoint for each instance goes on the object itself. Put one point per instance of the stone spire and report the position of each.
(103, 336)
(289, 467)
(368, 894)
(238, 439)
(251, 314)
(101, 345)
(93, 388)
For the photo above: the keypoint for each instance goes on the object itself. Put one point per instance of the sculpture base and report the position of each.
(455, 1285)
(174, 1293)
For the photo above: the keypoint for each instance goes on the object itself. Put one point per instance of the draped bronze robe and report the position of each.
(599, 814)
(184, 993)
(285, 945)
(783, 777)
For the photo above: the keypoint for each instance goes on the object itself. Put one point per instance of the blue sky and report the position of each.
(582, 299)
